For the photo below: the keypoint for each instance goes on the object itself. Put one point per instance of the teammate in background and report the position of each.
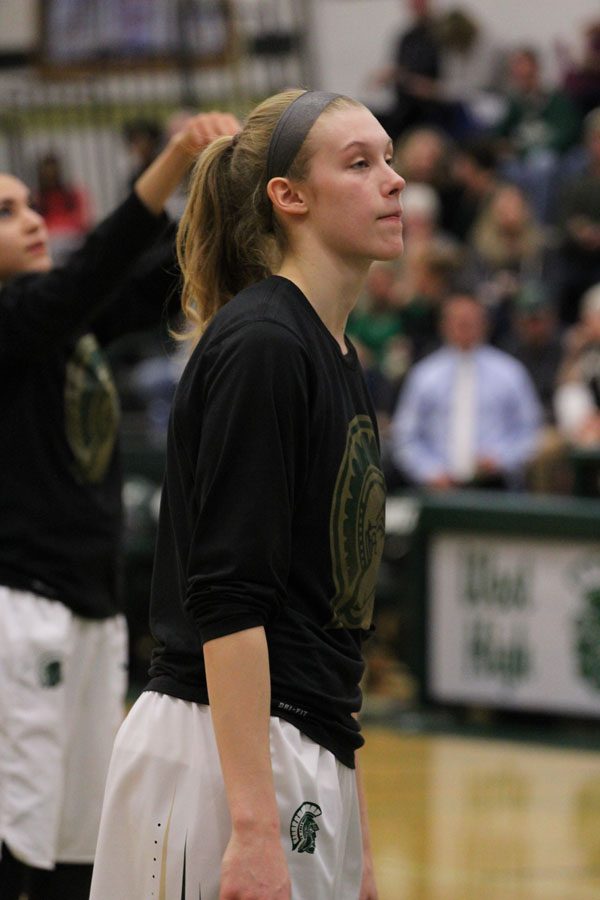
(62, 639)
(234, 774)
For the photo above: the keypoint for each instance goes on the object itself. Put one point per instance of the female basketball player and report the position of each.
(62, 641)
(234, 775)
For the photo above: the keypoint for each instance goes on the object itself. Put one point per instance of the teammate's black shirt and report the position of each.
(60, 485)
(272, 511)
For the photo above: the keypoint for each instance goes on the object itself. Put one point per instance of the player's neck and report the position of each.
(331, 287)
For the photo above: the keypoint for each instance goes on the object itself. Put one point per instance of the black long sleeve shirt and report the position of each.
(60, 484)
(272, 512)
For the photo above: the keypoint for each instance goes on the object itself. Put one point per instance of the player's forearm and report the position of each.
(156, 184)
(364, 816)
(368, 889)
(237, 672)
(160, 179)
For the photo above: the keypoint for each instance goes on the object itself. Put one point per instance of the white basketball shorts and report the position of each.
(165, 822)
(62, 691)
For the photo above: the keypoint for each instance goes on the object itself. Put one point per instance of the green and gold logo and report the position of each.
(50, 670)
(357, 527)
(91, 410)
(304, 828)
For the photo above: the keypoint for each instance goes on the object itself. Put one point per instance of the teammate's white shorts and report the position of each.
(165, 823)
(62, 691)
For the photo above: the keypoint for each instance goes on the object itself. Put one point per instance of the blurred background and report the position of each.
(482, 692)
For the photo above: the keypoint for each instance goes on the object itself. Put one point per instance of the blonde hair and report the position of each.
(489, 241)
(229, 237)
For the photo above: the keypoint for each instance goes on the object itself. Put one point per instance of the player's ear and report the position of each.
(286, 197)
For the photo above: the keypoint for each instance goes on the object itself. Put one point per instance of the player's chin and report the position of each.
(42, 263)
(391, 250)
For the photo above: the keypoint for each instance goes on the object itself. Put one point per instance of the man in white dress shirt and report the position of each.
(469, 414)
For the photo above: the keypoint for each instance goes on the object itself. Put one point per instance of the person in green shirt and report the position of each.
(539, 126)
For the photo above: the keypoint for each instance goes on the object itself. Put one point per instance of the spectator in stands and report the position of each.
(507, 247)
(577, 399)
(539, 126)
(375, 326)
(579, 223)
(144, 139)
(431, 258)
(377, 331)
(581, 78)
(474, 171)
(64, 207)
(414, 73)
(376, 320)
(469, 66)
(537, 343)
(425, 154)
(468, 415)
(421, 214)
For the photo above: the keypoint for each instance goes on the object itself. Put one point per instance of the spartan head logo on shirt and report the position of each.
(304, 828)
(50, 670)
(91, 410)
(357, 527)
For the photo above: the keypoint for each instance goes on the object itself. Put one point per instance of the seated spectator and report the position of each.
(507, 247)
(65, 208)
(144, 140)
(577, 398)
(430, 258)
(539, 126)
(427, 275)
(377, 331)
(578, 220)
(375, 325)
(420, 215)
(376, 318)
(536, 341)
(424, 156)
(581, 78)
(468, 64)
(474, 171)
(468, 415)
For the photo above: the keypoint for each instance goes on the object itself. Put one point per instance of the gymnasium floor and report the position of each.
(465, 818)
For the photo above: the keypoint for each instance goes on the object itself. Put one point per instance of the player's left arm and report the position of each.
(368, 887)
(156, 184)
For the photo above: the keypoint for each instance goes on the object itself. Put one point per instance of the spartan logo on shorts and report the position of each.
(357, 527)
(91, 410)
(304, 828)
(50, 671)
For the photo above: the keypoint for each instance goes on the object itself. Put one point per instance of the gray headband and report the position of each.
(290, 132)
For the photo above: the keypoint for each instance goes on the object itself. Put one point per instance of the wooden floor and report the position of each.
(469, 819)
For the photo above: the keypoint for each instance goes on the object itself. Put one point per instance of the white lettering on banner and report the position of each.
(514, 622)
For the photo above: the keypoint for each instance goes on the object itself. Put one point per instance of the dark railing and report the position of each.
(79, 112)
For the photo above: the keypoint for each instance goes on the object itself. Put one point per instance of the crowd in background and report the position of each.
(501, 209)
